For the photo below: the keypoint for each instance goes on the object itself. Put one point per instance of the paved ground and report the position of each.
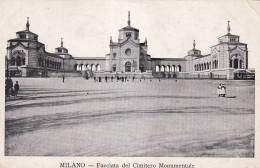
(167, 118)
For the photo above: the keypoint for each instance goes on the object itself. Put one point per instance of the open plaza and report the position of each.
(80, 117)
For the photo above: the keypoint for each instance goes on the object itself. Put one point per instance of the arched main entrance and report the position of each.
(114, 68)
(18, 61)
(128, 66)
(141, 68)
(236, 63)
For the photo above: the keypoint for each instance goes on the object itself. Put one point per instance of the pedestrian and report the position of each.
(112, 78)
(223, 90)
(94, 79)
(106, 78)
(99, 79)
(122, 79)
(219, 90)
(159, 80)
(63, 78)
(6, 90)
(10, 85)
(16, 89)
(133, 78)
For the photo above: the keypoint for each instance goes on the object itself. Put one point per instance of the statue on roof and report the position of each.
(128, 22)
(27, 24)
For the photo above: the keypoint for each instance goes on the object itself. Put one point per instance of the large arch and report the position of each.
(93, 67)
(236, 63)
(162, 68)
(167, 68)
(98, 67)
(179, 68)
(88, 67)
(141, 67)
(128, 66)
(157, 68)
(114, 68)
(77, 67)
(18, 61)
(173, 68)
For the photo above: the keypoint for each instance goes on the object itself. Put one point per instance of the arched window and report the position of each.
(157, 68)
(230, 63)
(12, 62)
(215, 64)
(128, 66)
(114, 55)
(48, 63)
(98, 67)
(114, 68)
(142, 56)
(18, 61)
(88, 67)
(23, 61)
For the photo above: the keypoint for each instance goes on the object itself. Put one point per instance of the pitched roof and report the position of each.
(129, 28)
(169, 59)
(26, 31)
(89, 58)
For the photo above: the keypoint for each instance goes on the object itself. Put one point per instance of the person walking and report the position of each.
(219, 90)
(223, 90)
(112, 78)
(16, 89)
(133, 78)
(63, 78)
(94, 79)
(106, 78)
(9, 83)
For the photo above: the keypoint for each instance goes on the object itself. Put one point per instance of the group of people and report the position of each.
(118, 78)
(221, 90)
(11, 89)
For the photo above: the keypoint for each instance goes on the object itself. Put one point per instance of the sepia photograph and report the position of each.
(129, 78)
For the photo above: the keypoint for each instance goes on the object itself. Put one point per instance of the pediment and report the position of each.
(129, 41)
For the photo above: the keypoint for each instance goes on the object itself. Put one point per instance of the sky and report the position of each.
(170, 26)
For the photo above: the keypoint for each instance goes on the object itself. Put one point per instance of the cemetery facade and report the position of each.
(128, 56)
